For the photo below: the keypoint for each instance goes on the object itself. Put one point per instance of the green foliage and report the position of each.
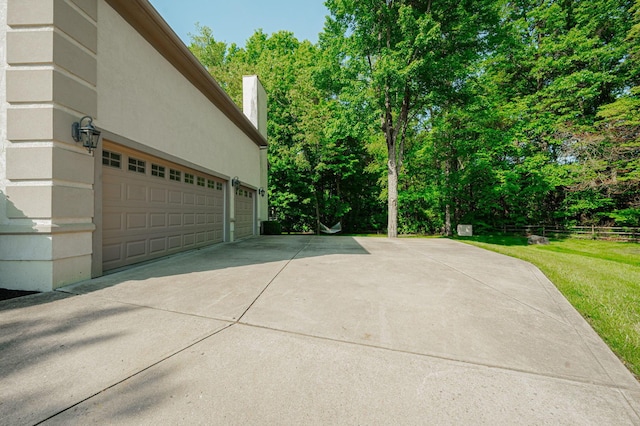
(487, 112)
(404, 58)
(626, 217)
(535, 140)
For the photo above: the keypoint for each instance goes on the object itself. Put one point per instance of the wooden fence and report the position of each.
(619, 233)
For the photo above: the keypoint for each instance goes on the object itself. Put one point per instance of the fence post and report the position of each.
(593, 232)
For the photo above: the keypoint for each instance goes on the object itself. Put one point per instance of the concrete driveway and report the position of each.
(311, 330)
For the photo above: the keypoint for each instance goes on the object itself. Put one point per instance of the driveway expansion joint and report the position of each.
(153, 308)
(137, 373)
(560, 377)
(272, 280)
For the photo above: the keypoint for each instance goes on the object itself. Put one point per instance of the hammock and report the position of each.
(333, 230)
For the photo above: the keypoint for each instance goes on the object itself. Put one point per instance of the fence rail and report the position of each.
(619, 233)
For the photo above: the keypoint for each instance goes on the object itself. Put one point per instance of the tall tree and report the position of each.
(526, 137)
(410, 54)
(619, 136)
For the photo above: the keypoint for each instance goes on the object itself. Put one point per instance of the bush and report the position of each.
(626, 217)
(271, 228)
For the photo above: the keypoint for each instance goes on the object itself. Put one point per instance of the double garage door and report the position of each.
(152, 207)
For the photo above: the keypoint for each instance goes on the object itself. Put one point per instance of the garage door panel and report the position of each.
(188, 219)
(175, 197)
(189, 199)
(158, 245)
(175, 219)
(189, 240)
(158, 195)
(158, 220)
(112, 222)
(112, 191)
(136, 221)
(112, 253)
(136, 248)
(136, 193)
(174, 242)
(147, 215)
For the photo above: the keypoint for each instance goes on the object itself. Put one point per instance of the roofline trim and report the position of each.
(141, 15)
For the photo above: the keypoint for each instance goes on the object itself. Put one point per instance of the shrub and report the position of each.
(271, 227)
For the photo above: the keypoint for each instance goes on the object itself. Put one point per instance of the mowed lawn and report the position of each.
(601, 279)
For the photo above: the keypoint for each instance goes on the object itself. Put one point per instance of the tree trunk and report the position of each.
(317, 214)
(392, 179)
(447, 207)
(447, 220)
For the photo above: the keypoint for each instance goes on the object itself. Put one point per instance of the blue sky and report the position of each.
(234, 21)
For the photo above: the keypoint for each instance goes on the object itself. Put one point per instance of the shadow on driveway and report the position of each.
(261, 255)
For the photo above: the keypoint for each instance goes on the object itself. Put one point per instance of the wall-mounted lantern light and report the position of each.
(86, 134)
(261, 191)
(235, 182)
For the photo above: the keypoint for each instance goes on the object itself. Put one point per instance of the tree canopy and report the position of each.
(412, 116)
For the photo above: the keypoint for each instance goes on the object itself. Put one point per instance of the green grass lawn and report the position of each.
(601, 279)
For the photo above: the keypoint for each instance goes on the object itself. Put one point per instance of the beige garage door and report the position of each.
(152, 208)
(245, 199)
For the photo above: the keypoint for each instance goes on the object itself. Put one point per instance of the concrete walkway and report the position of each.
(311, 330)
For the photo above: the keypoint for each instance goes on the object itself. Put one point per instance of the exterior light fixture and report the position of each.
(86, 134)
(261, 191)
(235, 182)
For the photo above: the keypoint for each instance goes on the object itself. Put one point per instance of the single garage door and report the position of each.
(245, 210)
(152, 207)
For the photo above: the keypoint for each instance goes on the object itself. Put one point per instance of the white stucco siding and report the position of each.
(3, 111)
(142, 97)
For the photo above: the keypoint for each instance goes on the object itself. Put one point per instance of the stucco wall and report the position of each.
(3, 111)
(47, 73)
(142, 97)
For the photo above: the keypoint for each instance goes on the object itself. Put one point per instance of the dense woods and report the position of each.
(414, 116)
